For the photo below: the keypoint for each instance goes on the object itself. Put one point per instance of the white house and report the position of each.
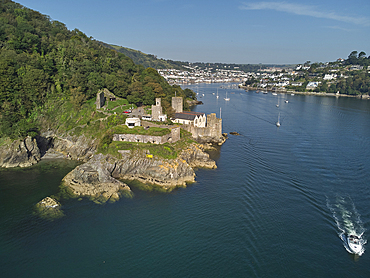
(329, 76)
(312, 85)
(132, 122)
(197, 119)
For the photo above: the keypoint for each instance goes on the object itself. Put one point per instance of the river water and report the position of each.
(278, 205)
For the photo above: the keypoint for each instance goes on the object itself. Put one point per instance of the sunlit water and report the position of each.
(279, 204)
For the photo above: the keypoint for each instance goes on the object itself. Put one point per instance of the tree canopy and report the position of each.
(41, 61)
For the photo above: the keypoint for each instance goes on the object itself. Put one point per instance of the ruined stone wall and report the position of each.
(100, 99)
(175, 134)
(172, 137)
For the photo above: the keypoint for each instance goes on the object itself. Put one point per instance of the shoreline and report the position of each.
(321, 94)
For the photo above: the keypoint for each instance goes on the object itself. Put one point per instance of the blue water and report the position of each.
(278, 204)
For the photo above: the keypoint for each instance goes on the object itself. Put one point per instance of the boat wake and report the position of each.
(348, 221)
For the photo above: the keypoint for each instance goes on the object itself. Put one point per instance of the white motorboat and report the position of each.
(354, 244)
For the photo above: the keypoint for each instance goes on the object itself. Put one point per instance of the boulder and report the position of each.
(49, 208)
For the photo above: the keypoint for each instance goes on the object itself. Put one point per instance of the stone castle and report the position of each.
(202, 128)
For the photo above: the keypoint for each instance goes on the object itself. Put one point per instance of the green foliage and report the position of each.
(48, 74)
(148, 60)
(105, 141)
(355, 58)
(166, 151)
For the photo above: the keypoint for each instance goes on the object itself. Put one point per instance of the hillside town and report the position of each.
(330, 77)
(208, 75)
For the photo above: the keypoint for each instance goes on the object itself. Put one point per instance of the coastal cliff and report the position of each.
(93, 180)
(20, 153)
(100, 177)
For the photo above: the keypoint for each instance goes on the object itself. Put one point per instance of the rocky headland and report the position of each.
(100, 177)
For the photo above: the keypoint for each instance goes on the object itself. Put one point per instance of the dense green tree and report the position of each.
(41, 61)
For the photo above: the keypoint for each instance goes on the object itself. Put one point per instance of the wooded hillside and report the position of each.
(41, 61)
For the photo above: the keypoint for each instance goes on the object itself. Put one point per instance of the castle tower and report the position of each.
(158, 101)
(177, 104)
(156, 109)
(214, 125)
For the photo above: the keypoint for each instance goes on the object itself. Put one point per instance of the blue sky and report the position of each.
(243, 32)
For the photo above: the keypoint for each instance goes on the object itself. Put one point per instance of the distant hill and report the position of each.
(147, 60)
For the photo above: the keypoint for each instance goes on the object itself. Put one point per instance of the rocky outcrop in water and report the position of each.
(93, 179)
(195, 156)
(98, 178)
(20, 153)
(49, 208)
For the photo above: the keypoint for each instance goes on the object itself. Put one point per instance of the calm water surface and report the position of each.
(278, 204)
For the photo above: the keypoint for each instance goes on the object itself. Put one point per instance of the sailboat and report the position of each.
(278, 122)
(217, 93)
(277, 105)
(226, 98)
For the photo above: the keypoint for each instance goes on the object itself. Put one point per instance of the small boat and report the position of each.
(278, 122)
(354, 244)
(265, 92)
(274, 94)
(292, 94)
(226, 98)
(286, 101)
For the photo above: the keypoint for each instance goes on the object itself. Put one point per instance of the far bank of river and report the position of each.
(284, 91)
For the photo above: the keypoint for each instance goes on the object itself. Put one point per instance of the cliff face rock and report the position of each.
(24, 153)
(77, 148)
(167, 173)
(93, 179)
(20, 153)
(195, 156)
(212, 140)
(98, 177)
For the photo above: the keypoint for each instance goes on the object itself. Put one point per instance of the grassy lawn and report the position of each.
(166, 151)
(120, 102)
